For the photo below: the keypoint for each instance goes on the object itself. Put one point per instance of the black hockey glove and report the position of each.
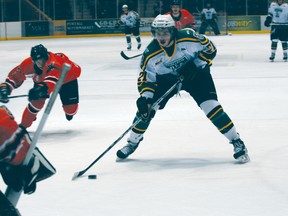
(4, 92)
(268, 21)
(144, 108)
(39, 91)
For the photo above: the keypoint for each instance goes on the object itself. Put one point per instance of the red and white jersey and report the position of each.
(50, 72)
(14, 141)
(184, 20)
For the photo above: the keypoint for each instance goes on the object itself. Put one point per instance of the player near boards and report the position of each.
(14, 145)
(44, 68)
(131, 21)
(278, 20)
(171, 55)
(182, 17)
(209, 18)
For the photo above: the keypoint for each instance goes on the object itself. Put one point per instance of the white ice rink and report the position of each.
(184, 166)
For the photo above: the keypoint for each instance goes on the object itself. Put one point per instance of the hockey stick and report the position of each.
(14, 196)
(17, 96)
(127, 57)
(153, 107)
(279, 24)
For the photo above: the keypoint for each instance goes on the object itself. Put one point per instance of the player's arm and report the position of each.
(14, 80)
(208, 51)
(268, 20)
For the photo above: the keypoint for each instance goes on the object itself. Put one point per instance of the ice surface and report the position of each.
(184, 166)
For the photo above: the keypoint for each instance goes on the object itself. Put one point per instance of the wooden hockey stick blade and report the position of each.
(127, 57)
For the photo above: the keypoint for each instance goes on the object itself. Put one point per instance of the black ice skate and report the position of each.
(139, 46)
(240, 151)
(128, 149)
(129, 46)
(272, 57)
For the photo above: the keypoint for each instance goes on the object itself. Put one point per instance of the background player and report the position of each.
(131, 21)
(45, 68)
(278, 20)
(182, 17)
(209, 18)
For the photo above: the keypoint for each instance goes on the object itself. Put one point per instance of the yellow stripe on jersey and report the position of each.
(148, 57)
(187, 39)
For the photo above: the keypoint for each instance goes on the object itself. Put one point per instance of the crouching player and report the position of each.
(14, 145)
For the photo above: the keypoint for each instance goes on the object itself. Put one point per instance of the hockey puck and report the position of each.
(92, 176)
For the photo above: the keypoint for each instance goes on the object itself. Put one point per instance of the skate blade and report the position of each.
(243, 159)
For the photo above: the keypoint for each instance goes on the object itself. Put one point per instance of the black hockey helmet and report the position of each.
(38, 52)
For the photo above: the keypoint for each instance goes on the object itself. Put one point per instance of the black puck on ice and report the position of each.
(92, 176)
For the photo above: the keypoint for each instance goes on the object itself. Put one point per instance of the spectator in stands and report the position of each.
(182, 17)
(159, 8)
(209, 18)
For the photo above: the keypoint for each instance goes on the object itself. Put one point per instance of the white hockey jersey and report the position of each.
(188, 47)
(279, 13)
(209, 14)
(130, 19)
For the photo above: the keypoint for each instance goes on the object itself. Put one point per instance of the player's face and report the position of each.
(125, 10)
(163, 36)
(175, 8)
(40, 62)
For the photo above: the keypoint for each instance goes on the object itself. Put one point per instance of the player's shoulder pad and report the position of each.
(151, 50)
(189, 34)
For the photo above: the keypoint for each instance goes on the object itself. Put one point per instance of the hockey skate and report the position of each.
(129, 46)
(68, 117)
(128, 149)
(272, 57)
(240, 151)
(139, 46)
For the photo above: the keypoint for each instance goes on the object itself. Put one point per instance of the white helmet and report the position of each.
(124, 6)
(163, 21)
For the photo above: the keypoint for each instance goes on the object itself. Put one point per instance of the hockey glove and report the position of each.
(144, 108)
(39, 91)
(268, 21)
(4, 92)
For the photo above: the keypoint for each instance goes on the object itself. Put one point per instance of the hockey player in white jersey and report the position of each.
(209, 17)
(131, 21)
(278, 20)
(172, 54)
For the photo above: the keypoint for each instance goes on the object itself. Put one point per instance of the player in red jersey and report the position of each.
(44, 68)
(14, 145)
(182, 17)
